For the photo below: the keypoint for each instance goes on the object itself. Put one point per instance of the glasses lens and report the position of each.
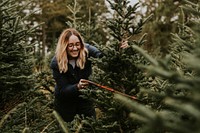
(72, 45)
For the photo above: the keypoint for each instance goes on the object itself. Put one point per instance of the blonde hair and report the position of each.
(61, 54)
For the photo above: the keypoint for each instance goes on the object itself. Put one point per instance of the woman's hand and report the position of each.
(82, 84)
(124, 44)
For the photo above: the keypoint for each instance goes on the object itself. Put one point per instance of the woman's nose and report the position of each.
(75, 48)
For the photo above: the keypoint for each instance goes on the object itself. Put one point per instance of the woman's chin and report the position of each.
(74, 55)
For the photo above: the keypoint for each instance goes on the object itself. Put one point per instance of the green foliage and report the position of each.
(175, 88)
(15, 54)
(22, 109)
(33, 115)
(44, 81)
(34, 112)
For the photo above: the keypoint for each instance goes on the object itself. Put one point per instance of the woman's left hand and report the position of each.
(124, 44)
(82, 84)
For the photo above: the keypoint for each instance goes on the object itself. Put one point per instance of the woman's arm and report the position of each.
(93, 51)
(63, 87)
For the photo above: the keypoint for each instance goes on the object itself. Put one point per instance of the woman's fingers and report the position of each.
(124, 44)
(83, 84)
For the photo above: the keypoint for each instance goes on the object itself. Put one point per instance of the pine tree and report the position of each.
(118, 66)
(16, 66)
(23, 108)
(176, 84)
(19, 104)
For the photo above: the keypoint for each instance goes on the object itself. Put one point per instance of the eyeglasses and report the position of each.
(72, 45)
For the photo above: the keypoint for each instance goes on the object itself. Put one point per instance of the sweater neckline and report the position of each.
(73, 63)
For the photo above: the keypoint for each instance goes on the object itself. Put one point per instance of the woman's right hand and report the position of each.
(82, 84)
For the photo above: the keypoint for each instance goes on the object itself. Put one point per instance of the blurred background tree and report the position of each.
(163, 23)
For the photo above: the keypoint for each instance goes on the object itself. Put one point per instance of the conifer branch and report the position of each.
(61, 122)
(147, 56)
(6, 116)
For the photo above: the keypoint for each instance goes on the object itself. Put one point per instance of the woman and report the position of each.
(70, 67)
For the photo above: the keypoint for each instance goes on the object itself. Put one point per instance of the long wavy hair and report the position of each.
(61, 50)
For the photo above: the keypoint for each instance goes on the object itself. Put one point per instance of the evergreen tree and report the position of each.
(118, 66)
(22, 107)
(176, 85)
(16, 65)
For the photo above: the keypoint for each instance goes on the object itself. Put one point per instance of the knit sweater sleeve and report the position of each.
(63, 87)
(93, 51)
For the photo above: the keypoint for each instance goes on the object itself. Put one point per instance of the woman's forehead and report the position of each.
(73, 38)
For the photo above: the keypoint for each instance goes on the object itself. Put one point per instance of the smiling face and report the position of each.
(73, 47)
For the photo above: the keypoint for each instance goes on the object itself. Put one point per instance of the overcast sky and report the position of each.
(133, 1)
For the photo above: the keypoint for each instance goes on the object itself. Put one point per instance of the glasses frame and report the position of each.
(72, 45)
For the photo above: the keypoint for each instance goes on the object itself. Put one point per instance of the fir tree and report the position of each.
(16, 66)
(22, 109)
